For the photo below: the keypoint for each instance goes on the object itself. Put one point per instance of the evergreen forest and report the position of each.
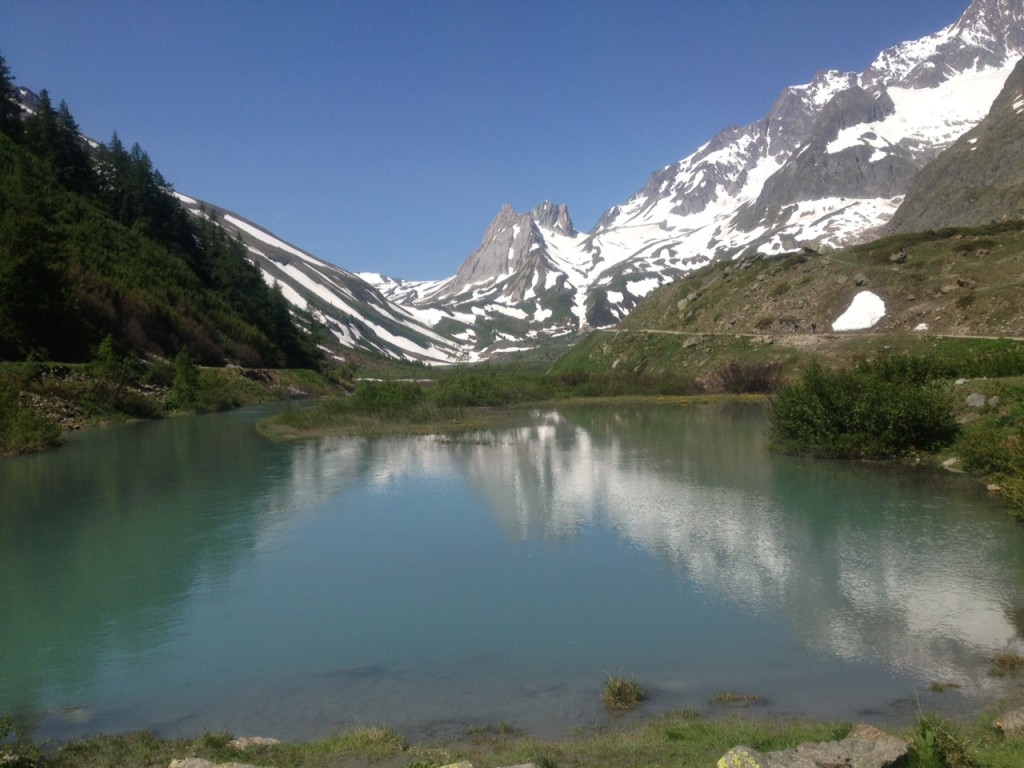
(94, 245)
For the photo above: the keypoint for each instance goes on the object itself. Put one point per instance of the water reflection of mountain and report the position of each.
(103, 544)
(865, 562)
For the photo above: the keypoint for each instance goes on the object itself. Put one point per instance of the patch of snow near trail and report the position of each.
(865, 311)
(920, 327)
(615, 297)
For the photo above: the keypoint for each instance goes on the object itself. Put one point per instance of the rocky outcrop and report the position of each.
(865, 747)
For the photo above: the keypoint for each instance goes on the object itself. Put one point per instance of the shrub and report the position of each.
(477, 387)
(23, 429)
(15, 750)
(999, 458)
(185, 390)
(747, 378)
(941, 744)
(386, 396)
(876, 410)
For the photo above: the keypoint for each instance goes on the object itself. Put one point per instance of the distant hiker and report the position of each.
(814, 327)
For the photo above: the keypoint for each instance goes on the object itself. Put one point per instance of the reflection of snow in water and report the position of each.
(925, 607)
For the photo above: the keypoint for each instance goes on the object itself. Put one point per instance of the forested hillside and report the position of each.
(94, 244)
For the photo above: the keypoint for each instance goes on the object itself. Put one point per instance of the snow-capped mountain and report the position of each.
(353, 311)
(828, 166)
(980, 179)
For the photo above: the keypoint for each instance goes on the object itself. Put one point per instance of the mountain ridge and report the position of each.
(829, 165)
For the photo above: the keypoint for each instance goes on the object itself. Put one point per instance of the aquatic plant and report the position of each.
(622, 692)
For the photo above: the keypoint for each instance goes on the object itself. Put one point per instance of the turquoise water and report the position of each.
(187, 575)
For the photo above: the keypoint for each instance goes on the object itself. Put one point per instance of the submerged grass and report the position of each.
(622, 692)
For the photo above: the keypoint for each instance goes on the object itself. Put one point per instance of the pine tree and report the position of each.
(10, 111)
(73, 165)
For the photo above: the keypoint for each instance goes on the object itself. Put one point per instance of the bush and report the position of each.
(22, 429)
(879, 409)
(15, 750)
(477, 387)
(999, 458)
(387, 396)
(747, 378)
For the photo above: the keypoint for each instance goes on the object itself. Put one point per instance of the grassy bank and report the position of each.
(681, 739)
(39, 401)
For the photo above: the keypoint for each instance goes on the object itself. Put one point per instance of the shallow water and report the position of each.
(187, 575)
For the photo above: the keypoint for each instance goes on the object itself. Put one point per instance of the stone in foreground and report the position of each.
(865, 747)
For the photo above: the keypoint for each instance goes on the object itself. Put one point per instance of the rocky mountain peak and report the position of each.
(998, 23)
(554, 217)
(988, 34)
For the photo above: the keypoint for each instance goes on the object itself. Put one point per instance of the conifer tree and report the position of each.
(10, 112)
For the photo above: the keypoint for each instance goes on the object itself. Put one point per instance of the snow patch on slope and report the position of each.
(864, 312)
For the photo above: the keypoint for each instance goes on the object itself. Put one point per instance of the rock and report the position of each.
(460, 764)
(993, 401)
(742, 757)
(693, 341)
(841, 280)
(1011, 722)
(947, 289)
(964, 282)
(244, 742)
(865, 747)
(960, 382)
(860, 279)
(994, 488)
(975, 400)
(198, 762)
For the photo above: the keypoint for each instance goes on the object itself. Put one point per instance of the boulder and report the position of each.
(975, 400)
(198, 762)
(244, 742)
(865, 747)
(1011, 722)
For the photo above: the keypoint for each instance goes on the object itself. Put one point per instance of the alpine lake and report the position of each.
(189, 575)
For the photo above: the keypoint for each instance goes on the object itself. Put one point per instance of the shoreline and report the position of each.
(680, 738)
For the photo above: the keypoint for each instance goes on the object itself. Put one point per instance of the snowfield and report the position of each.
(864, 312)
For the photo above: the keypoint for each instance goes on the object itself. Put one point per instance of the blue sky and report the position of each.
(384, 136)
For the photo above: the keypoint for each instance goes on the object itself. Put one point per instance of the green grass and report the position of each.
(682, 739)
(622, 692)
